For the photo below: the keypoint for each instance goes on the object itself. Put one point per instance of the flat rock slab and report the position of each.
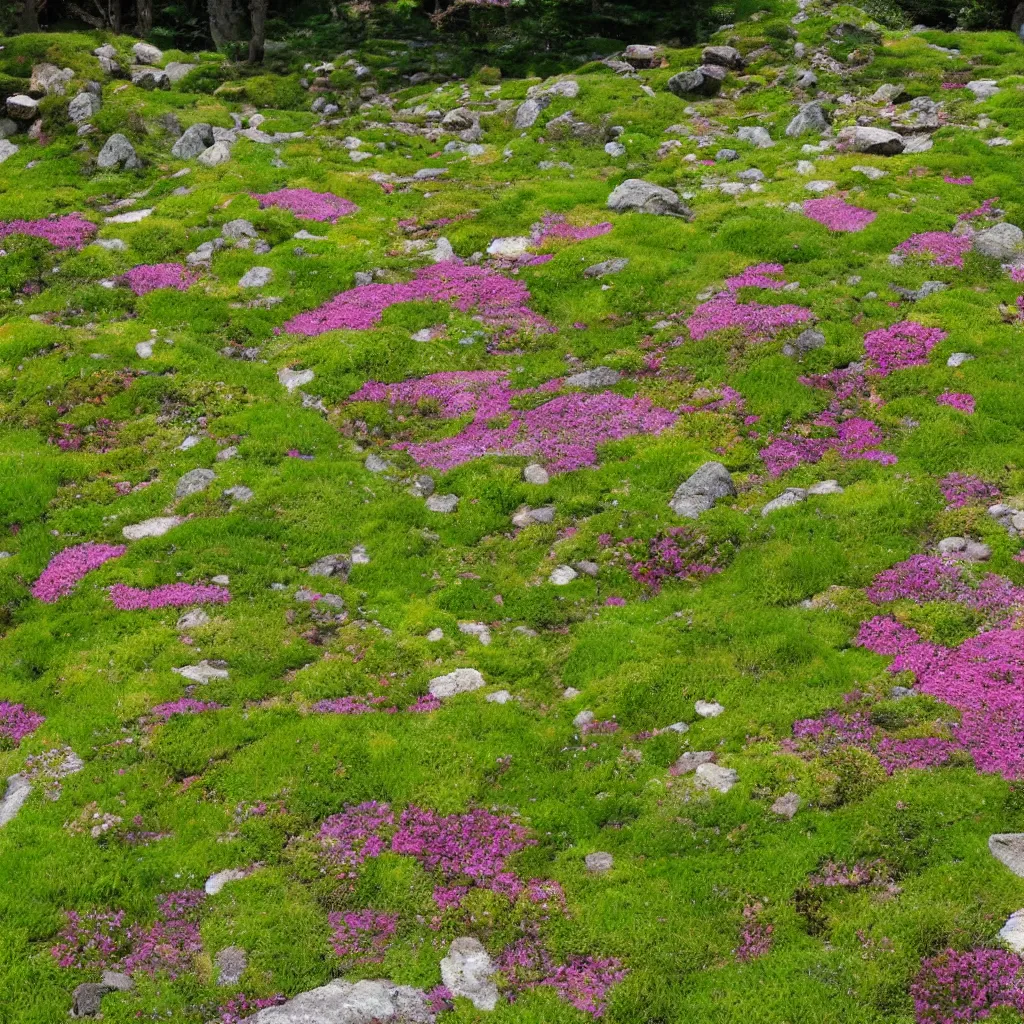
(18, 789)
(155, 527)
(462, 680)
(342, 1002)
(468, 971)
(1008, 847)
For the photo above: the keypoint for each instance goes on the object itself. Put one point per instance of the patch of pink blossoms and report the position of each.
(955, 987)
(855, 439)
(71, 231)
(182, 706)
(554, 225)
(838, 215)
(17, 722)
(943, 247)
(67, 567)
(959, 400)
(172, 595)
(754, 319)
(148, 277)
(306, 204)
(901, 345)
(499, 301)
(961, 489)
(361, 934)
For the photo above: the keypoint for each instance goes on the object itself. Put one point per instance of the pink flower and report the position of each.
(958, 400)
(71, 231)
(901, 345)
(146, 278)
(172, 595)
(182, 706)
(944, 248)
(838, 215)
(67, 567)
(754, 319)
(17, 722)
(308, 205)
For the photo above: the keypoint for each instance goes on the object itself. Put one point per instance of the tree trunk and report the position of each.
(28, 21)
(144, 17)
(223, 22)
(258, 39)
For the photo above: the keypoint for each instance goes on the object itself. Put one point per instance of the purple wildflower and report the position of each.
(959, 400)
(67, 567)
(71, 231)
(148, 277)
(308, 205)
(17, 722)
(754, 319)
(362, 934)
(172, 595)
(838, 215)
(944, 248)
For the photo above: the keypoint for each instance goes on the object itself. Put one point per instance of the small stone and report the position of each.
(218, 153)
(872, 140)
(422, 486)
(83, 106)
(194, 482)
(789, 497)
(587, 568)
(469, 972)
(751, 174)
(435, 635)
(18, 789)
(871, 173)
(535, 474)
(1001, 241)
(787, 805)
(238, 229)
(217, 881)
(563, 575)
(714, 776)
(598, 863)
(193, 619)
(87, 999)
(570, 693)
(331, 565)
(443, 503)
(598, 377)
(606, 267)
(811, 117)
(820, 186)
(293, 379)
(256, 277)
(639, 196)
(461, 680)
(203, 672)
(155, 527)
(231, 963)
(117, 981)
(691, 761)
(117, 151)
(477, 629)
(22, 108)
(375, 464)
(147, 54)
(702, 489)
(615, 149)
(221, 581)
(239, 493)
(498, 697)
(708, 708)
(757, 136)
(359, 555)
(7, 150)
(959, 358)
(584, 718)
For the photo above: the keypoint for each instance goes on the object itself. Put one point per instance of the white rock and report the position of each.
(498, 697)
(155, 527)
(515, 246)
(293, 379)
(18, 789)
(437, 633)
(462, 680)
(708, 708)
(443, 503)
(1012, 933)
(342, 1002)
(201, 673)
(714, 776)
(132, 217)
(562, 575)
(7, 149)
(468, 971)
(216, 882)
(144, 349)
(193, 619)
(535, 474)
(256, 277)
(477, 629)
(598, 863)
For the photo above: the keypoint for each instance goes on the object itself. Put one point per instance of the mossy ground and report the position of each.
(685, 864)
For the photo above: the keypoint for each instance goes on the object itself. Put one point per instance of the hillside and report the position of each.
(553, 544)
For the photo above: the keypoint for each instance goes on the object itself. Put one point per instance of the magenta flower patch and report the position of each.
(754, 319)
(838, 215)
(362, 935)
(564, 433)
(306, 204)
(182, 706)
(172, 595)
(353, 705)
(17, 722)
(148, 277)
(67, 567)
(954, 987)
(959, 400)
(855, 439)
(554, 225)
(961, 489)
(71, 231)
(943, 248)
(498, 300)
(901, 345)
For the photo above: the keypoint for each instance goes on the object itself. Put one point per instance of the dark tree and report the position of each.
(258, 38)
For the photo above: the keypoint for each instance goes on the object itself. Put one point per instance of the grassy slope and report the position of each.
(685, 865)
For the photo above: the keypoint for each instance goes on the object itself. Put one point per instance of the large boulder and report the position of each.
(22, 108)
(150, 78)
(704, 81)
(177, 70)
(529, 110)
(194, 140)
(218, 153)
(641, 55)
(462, 680)
(879, 141)
(49, 80)
(1008, 847)
(147, 54)
(468, 971)
(118, 152)
(83, 106)
(723, 56)
(809, 118)
(702, 489)
(344, 1002)
(635, 195)
(1001, 241)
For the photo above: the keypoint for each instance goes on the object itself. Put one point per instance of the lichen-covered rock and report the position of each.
(635, 195)
(702, 489)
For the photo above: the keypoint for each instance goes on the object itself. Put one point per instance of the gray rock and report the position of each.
(691, 761)
(615, 149)
(871, 173)
(825, 487)
(528, 516)
(587, 568)
(231, 963)
(789, 497)
(83, 106)
(983, 88)
(635, 195)
(196, 139)
(959, 358)
(568, 126)
(203, 672)
(806, 80)
(917, 144)
(880, 141)
(176, 70)
(217, 881)
(7, 150)
(787, 805)
(810, 118)
(18, 789)
(917, 294)
(751, 174)
(155, 527)
(640, 55)
(49, 80)
(1012, 933)
(443, 503)
(117, 982)
(292, 379)
(331, 565)
(218, 153)
(598, 377)
(117, 151)
(256, 277)
(1008, 847)
(193, 619)
(422, 486)
(343, 1002)
(150, 78)
(460, 119)
(725, 56)
(806, 341)
(888, 94)
(7, 127)
(235, 230)
(755, 135)
(478, 629)
(239, 493)
(714, 776)
(22, 108)
(461, 680)
(1001, 241)
(703, 81)
(535, 474)
(468, 971)
(147, 54)
(598, 863)
(194, 482)
(529, 111)
(87, 999)
(702, 489)
(562, 576)
(726, 155)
